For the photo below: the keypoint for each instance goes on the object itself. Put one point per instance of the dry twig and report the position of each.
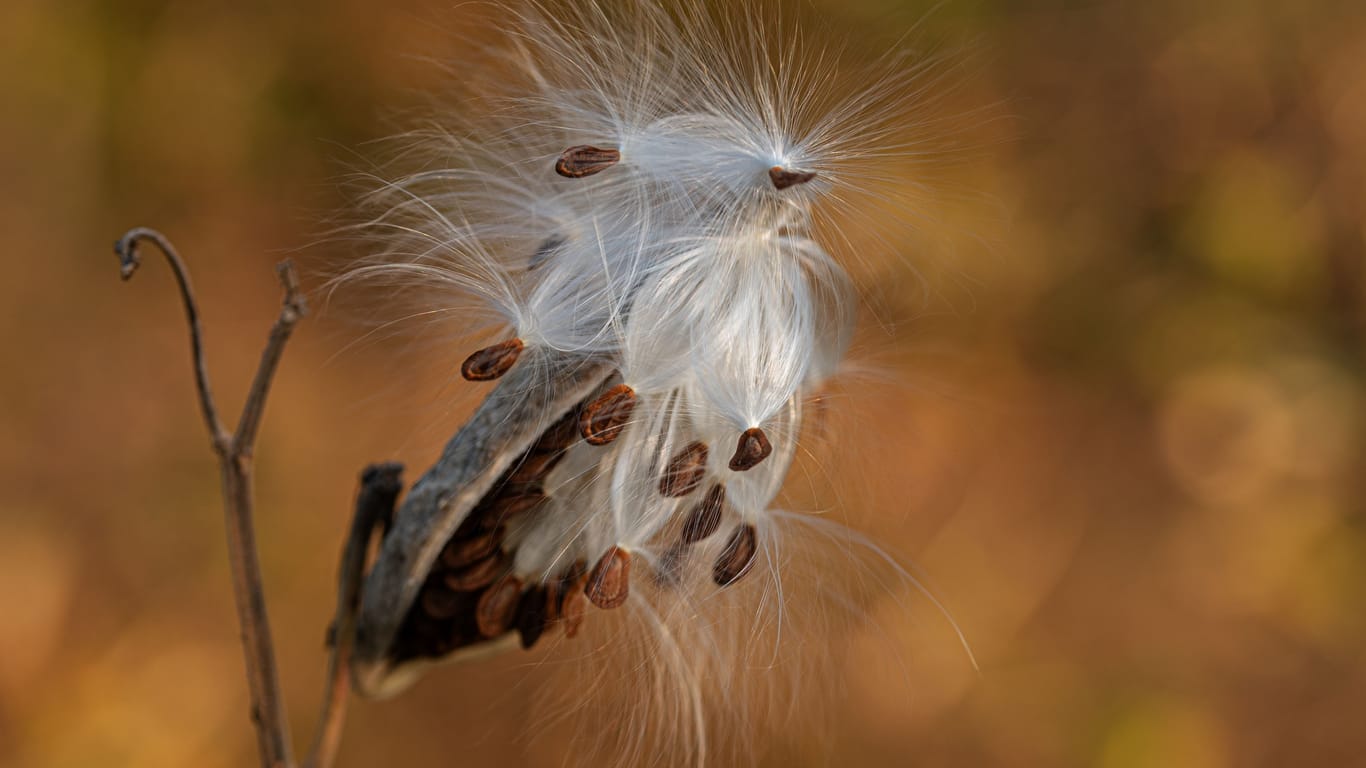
(380, 487)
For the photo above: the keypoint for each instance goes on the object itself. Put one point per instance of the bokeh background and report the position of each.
(1124, 443)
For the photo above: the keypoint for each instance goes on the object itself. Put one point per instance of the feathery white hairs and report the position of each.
(654, 192)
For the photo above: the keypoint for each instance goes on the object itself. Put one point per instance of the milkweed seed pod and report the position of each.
(643, 202)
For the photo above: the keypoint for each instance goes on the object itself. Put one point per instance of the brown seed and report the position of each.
(571, 611)
(531, 619)
(438, 602)
(610, 582)
(783, 178)
(498, 606)
(491, 362)
(705, 518)
(752, 448)
(477, 575)
(738, 556)
(534, 466)
(602, 420)
(560, 435)
(685, 471)
(584, 160)
(461, 552)
(515, 503)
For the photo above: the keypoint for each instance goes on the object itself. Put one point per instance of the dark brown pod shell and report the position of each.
(497, 607)
(491, 362)
(610, 582)
(684, 471)
(602, 420)
(783, 178)
(464, 552)
(705, 518)
(752, 448)
(477, 575)
(584, 160)
(738, 556)
(531, 618)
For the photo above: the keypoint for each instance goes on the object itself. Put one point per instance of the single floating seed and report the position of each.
(497, 607)
(531, 618)
(783, 178)
(584, 160)
(738, 556)
(705, 518)
(685, 471)
(610, 582)
(602, 420)
(752, 449)
(491, 362)
(477, 575)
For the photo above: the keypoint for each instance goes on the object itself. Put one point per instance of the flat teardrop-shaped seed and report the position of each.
(752, 448)
(491, 362)
(477, 575)
(572, 599)
(497, 607)
(610, 582)
(531, 618)
(705, 518)
(464, 552)
(602, 420)
(738, 556)
(783, 178)
(684, 471)
(513, 504)
(438, 602)
(560, 435)
(534, 466)
(585, 160)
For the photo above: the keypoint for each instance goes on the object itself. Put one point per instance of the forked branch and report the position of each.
(380, 488)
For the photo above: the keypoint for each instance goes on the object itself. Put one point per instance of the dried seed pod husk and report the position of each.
(684, 471)
(738, 556)
(705, 518)
(492, 362)
(602, 420)
(783, 178)
(477, 575)
(497, 607)
(464, 551)
(531, 619)
(752, 448)
(610, 582)
(585, 160)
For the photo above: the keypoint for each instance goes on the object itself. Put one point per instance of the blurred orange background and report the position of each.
(1127, 453)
